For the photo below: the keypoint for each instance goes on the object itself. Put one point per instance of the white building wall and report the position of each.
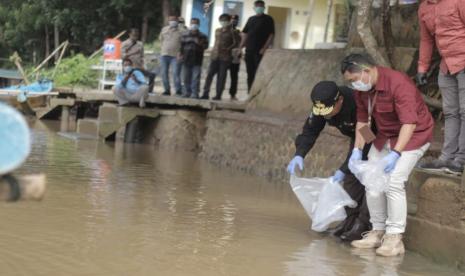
(296, 20)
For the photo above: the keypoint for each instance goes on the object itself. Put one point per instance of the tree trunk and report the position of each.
(387, 30)
(145, 28)
(328, 19)
(47, 42)
(166, 11)
(366, 34)
(56, 34)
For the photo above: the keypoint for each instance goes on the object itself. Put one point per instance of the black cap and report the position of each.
(324, 97)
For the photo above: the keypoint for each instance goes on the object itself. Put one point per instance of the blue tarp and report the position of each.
(42, 86)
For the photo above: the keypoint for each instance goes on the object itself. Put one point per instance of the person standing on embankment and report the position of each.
(336, 107)
(170, 39)
(442, 24)
(404, 131)
(257, 37)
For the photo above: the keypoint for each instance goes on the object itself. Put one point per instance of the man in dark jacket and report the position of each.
(336, 106)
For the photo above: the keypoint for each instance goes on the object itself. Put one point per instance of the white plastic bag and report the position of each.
(322, 199)
(371, 175)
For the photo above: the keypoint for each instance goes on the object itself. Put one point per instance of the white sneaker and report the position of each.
(392, 245)
(371, 239)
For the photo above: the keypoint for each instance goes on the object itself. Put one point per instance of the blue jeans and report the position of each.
(166, 63)
(192, 79)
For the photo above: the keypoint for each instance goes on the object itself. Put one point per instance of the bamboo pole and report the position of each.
(311, 3)
(59, 58)
(17, 61)
(101, 48)
(49, 57)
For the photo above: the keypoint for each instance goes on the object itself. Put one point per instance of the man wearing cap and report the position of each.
(335, 106)
(404, 131)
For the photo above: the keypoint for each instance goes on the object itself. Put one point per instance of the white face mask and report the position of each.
(173, 24)
(361, 86)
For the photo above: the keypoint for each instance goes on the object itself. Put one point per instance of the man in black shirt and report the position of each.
(193, 45)
(257, 37)
(336, 106)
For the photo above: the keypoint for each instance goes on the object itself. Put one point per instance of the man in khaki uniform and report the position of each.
(133, 49)
(170, 38)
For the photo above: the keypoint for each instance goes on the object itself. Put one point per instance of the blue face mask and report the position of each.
(259, 10)
(127, 69)
(173, 24)
(361, 86)
(194, 27)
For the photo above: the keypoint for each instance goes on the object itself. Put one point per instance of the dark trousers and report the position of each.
(219, 68)
(252, 60)
(234, 73)
(192, 75)
(357, 192)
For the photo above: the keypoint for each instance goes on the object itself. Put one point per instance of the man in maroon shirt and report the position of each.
(404, 131)
(442, 24)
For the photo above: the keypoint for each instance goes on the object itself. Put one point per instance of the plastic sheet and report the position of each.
(322, 199)
(371, 174)
(41, 86)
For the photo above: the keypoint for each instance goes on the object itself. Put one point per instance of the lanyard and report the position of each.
(371, 107)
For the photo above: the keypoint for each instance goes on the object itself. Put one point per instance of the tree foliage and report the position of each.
(85, 23)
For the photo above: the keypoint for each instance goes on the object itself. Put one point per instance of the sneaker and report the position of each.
(436, 165)
(371, 239)
(233, 98)
(216, 98)
(392, 245)
(454, 167)
(205, 97)
(166, 93)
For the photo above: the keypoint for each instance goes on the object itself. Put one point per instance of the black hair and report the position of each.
(225, 16)
(259, 2)
(128, 60)
(234, 17)
(195, 19)
(355, 63)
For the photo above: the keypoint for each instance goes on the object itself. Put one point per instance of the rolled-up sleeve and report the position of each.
(405, 102)
(426, 43)
(362, 111)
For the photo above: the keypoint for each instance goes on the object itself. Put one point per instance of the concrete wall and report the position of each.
(285, 78)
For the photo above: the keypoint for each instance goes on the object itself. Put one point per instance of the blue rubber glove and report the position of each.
(391, 161)
(338, 176)
(297, 160)
(356, 155)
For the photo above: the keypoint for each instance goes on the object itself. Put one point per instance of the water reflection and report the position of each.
(116, 209)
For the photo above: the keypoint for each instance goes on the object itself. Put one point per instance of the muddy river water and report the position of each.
(115, 209)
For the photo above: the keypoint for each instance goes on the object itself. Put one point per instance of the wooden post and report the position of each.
(307, 24)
